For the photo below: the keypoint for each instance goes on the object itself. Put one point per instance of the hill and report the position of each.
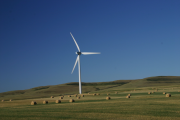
(72, 88)
(154, 82)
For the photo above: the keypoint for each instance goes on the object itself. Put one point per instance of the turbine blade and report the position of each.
(88, 53)
(75, 42)
(75, 63)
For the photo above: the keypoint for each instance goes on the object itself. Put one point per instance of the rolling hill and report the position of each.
(72, 88)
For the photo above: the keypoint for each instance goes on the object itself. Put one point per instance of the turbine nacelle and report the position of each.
(79, 53)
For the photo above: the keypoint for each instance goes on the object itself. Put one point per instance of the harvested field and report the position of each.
(98, 106)
(140, 106)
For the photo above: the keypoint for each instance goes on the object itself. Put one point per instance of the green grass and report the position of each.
(98, 87)
(140, 106)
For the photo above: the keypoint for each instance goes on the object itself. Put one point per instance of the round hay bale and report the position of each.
(153, 92)
(60, 97)
(116, 92)
(94, 94)
(108, 98)
(33, 103)
(97, 94)
(88, 93)
(52, 96)
(75, 95)
(71, 100)
(164, 93)
(10, 100)
(58, 101)
(149, 92)
(2, 100)
(78, 97)
(108, 94)
(168, 95)
(69, 95)
(82, 95)
(128, 96)
(45, 102)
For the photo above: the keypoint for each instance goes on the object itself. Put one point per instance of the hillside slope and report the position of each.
(73, 88)
(153, 82)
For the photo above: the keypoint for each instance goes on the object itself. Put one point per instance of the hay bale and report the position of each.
(10, 100)
(108, 94)
(2, 100)
(168, 95)
(60, 97)
(164, 93)
(116, 92)
(128, 96)
(108, 98)
(58, 101)
(75, 95)
(78, 97)
(33, 103)
(69, 95)
(94, 94)
(52, 96)
(149, 92)
(45, 102)
(71, 100)
(82, 95)
(97, 94)
(88, 93)
(153, 92)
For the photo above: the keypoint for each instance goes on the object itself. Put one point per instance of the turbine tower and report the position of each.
(78, 60)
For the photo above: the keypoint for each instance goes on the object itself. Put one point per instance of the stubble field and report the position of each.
(140, 106)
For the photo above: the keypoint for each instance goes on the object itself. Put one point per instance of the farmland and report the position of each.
(140, 105)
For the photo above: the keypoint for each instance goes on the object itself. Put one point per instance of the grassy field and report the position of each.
(140, 105)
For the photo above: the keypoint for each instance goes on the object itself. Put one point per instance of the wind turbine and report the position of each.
(78, 60)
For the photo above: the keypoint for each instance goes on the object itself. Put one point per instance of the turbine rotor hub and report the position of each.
(79, 53)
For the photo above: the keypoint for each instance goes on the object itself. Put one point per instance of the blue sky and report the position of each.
(136, 38)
